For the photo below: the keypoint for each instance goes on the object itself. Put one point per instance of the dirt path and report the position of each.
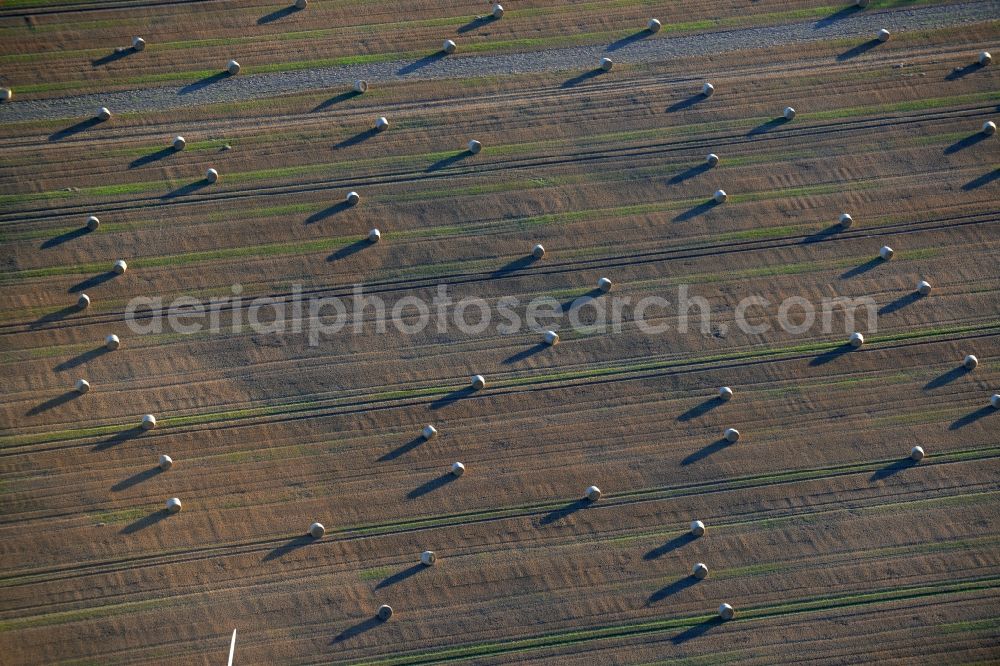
(840, 25)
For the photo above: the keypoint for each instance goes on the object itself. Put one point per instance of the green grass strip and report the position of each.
(631, 630)
(577, 375)
(743, 19)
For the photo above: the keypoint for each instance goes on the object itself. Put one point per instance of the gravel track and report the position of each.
(436, 66)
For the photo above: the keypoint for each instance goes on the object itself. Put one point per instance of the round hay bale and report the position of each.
(449, 46)
(120, 267)
(474, 147)
(316, 530)
(720, 196)
(93, 223)
(861, 3)
(361, 86)
(700, 571)
(104, 113)
(707, 89)
(970, 362)
(732, 435)
(607, 64)
(538, 251)
(384, 612)
(173, 505)
(604, 284)
(381, 124)
(712, 159)
(138, 43)
(725, 393)
(917, 453)
(6, 94)
(995, 400)
(352, 198)
(179, 143)
(985, 58)
(697, 528)
(497, 10)
(374, 235)
(83, 302)
(457, 469)
(478, 382)
(428, 558)
(166, 462)
(883, 35)
(886, 252)
(856, 340)
(989, 128)
(301, 4)
(788, 113)
(112, 342)
(726, 612)
(592, 493)
(81, 386)
(653, 25)
(233, 67)
(846, 220)
(551, 338)
(924, 287)
(429, 432)
(148, 422)
(212, 176)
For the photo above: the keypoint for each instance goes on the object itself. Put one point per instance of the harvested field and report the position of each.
(291, 398)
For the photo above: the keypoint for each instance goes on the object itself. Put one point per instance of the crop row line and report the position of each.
(691, 623)
(537, 509)
(515, 163)
(440, 396)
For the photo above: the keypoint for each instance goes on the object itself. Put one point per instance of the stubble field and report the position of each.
(832, 545)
